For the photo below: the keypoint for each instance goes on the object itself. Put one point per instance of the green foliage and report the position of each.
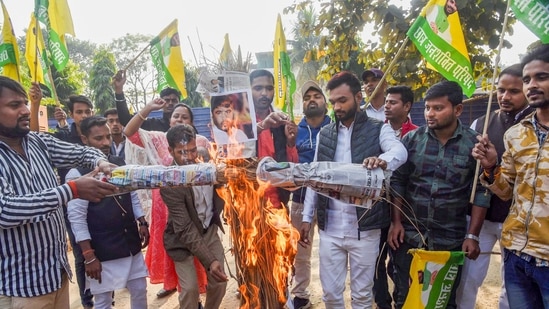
(194, 99)
(340, 23)
(102, 71)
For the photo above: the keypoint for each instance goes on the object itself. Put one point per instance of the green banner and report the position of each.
(58, 51)
(446, 59)
(164, 78)
(534, 14)
(7, 54)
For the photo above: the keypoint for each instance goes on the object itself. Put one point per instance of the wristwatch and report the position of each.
(472, 236)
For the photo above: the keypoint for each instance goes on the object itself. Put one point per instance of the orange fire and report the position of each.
(264, 241)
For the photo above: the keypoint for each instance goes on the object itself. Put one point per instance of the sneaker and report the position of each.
(301, 303)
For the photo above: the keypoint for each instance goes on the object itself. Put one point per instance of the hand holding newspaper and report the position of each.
(347, 182)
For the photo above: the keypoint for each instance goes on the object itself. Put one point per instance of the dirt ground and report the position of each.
(487, 297)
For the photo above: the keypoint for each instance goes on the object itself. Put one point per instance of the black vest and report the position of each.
(113, 231)
(498, 123)
(364, 144)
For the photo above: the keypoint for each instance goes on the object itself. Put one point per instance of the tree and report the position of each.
(140, 83)
(102, 71)
(340, 23)
(304, 55)
(194, 99)
(81, 53)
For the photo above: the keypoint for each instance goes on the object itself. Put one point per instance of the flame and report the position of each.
(264, 241)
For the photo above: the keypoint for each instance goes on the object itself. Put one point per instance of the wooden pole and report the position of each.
(135, 58)
(389, 68)
(488, 107)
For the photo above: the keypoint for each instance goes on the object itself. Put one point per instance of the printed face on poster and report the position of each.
(232, 120)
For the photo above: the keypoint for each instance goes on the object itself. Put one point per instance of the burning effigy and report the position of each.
(264, 243)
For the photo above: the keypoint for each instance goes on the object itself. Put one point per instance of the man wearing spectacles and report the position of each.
(170, 95)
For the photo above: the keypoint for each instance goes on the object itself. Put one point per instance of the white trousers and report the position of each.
(474, 272)
(336, 254)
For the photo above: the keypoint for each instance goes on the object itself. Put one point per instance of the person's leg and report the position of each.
(58, 299)
(363, 255)
(381, 287)
(541, 277)
(215, 289)
(138, 293)
(86, 297)
(474, 271)
(186, 274)
(302, 263)
(401, 273)
(332, 270)
(522, 290)
(103, 300)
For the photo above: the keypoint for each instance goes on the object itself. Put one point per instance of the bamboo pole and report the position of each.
(389, 68)
(488, 106)
(135, 58)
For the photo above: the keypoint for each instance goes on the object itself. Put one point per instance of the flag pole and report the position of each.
(389, 68)
(488, 106)
(135, 58)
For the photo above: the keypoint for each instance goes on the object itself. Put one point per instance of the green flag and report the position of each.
(438, 36)
(166, 55)
(534, 14)
(285, 83)
(56, 16)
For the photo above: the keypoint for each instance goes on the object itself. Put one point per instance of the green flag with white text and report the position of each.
(56, 16)
(534, 14)
(438, 36)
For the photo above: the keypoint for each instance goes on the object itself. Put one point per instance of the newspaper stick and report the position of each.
(389, 68)
(488, 106)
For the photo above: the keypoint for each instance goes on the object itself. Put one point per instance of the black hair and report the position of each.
(259, 73)
(168, 91)
(449, 89)
(181, 133)
(344, 77)
(110, 111)
(218, 100)
(90, 122)
(406, 93)
(188, 109)
(78, 99)
(513, 70)
(13, 85)
(539, 53)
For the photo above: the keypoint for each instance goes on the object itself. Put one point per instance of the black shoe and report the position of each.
(164, 293)
(301, 303)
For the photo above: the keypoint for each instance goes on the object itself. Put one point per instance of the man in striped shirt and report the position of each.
(33, 248)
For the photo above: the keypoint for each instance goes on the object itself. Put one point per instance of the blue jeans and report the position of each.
(86, 296)
(527, 284)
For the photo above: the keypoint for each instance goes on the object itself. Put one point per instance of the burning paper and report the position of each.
(347, 182)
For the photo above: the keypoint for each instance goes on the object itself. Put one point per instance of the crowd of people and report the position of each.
(51, 191)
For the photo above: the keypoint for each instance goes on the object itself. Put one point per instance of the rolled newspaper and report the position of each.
(347, 182)
(133, 177)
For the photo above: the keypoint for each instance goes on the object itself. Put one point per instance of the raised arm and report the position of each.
(137, 120)
(118, 82)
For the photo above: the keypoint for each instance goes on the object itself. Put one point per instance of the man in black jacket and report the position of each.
(107, 231)
(170, 95)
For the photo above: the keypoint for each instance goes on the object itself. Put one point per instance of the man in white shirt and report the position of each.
(350, 234)
(375, 107)
(107, 231)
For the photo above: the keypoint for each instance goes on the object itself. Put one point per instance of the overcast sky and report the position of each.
(250, 23)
